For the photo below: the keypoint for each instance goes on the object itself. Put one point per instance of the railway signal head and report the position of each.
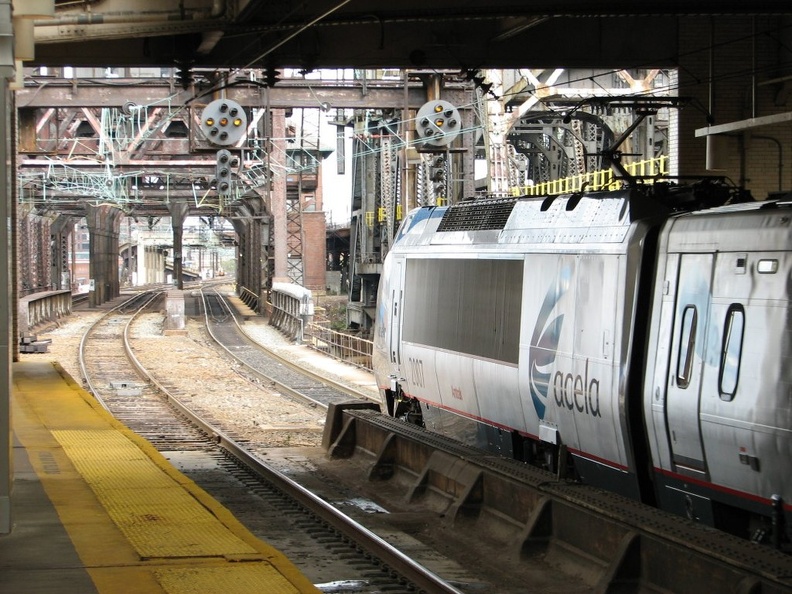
(438, 123)
(272, 77)
(224, 122)
(223, 170)
(438, 173)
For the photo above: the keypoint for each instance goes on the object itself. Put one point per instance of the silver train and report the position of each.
(646, 341)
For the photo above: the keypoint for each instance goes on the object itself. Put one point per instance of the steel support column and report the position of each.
(178, 211)
(277, 162)
(242, 227)
(59, 244)
(252, 226)
(103, 226)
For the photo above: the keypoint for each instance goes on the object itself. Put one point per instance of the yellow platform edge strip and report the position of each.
(245, 577)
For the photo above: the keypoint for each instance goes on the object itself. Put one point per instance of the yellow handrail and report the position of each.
(601, 179)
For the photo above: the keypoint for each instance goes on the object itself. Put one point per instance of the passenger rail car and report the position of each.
(650, 344)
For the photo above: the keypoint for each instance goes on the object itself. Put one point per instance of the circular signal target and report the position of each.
(223, 122)
(438, 123)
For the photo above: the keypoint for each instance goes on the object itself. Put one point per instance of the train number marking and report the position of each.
(417, 372)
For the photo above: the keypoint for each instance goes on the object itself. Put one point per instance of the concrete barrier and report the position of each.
(42, 307)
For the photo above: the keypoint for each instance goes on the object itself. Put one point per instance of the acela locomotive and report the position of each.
(646, 339)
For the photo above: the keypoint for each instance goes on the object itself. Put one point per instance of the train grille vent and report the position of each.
(477, 216)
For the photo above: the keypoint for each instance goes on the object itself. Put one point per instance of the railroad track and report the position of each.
(221, 320)
(265, 363)
(270, 504)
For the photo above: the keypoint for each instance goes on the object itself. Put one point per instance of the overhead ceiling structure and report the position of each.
(443, 34)
(205, 40)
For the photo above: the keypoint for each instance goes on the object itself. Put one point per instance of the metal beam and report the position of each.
(742, 125)
(68, 93)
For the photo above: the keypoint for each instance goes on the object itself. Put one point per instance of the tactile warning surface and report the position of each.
(159, 518)
(137, 525)
(242, 580)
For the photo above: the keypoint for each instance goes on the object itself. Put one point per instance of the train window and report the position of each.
(731, 350)
(687, 344)
(767, 266)
(465, 317)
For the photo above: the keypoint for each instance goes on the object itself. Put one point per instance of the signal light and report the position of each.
(272, 77)
(224, 122)
(438, 176)
(438, 123)
(223, 171)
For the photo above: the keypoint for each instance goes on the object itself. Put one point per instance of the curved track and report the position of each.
(267, 364)
(266, 500)
(331, 533)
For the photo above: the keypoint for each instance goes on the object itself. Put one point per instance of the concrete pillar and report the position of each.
(156, 272)
(7, 196)
(151, 265)
(142, 264)
(178, 212)
(174, 308)
(151, 271)
(155, 266)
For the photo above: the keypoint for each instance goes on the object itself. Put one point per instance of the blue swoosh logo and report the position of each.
(544, 341)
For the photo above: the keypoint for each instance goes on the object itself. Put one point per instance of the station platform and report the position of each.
(96, 509)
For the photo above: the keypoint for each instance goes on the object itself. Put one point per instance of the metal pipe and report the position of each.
(753, 67)
(780, 156)
(132, 23)
(217, 9)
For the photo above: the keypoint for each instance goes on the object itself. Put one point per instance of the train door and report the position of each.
(683, 387)
(396, 290)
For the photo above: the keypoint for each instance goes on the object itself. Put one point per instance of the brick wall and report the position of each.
(314, 250)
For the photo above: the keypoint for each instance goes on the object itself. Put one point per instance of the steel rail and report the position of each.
(390, 556)
(282, 360)
(152, 294)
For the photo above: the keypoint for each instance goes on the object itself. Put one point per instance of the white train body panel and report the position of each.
(526, 328)
(656, 348)
(718, 398)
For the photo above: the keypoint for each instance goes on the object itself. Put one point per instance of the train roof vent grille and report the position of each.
(477, 216)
